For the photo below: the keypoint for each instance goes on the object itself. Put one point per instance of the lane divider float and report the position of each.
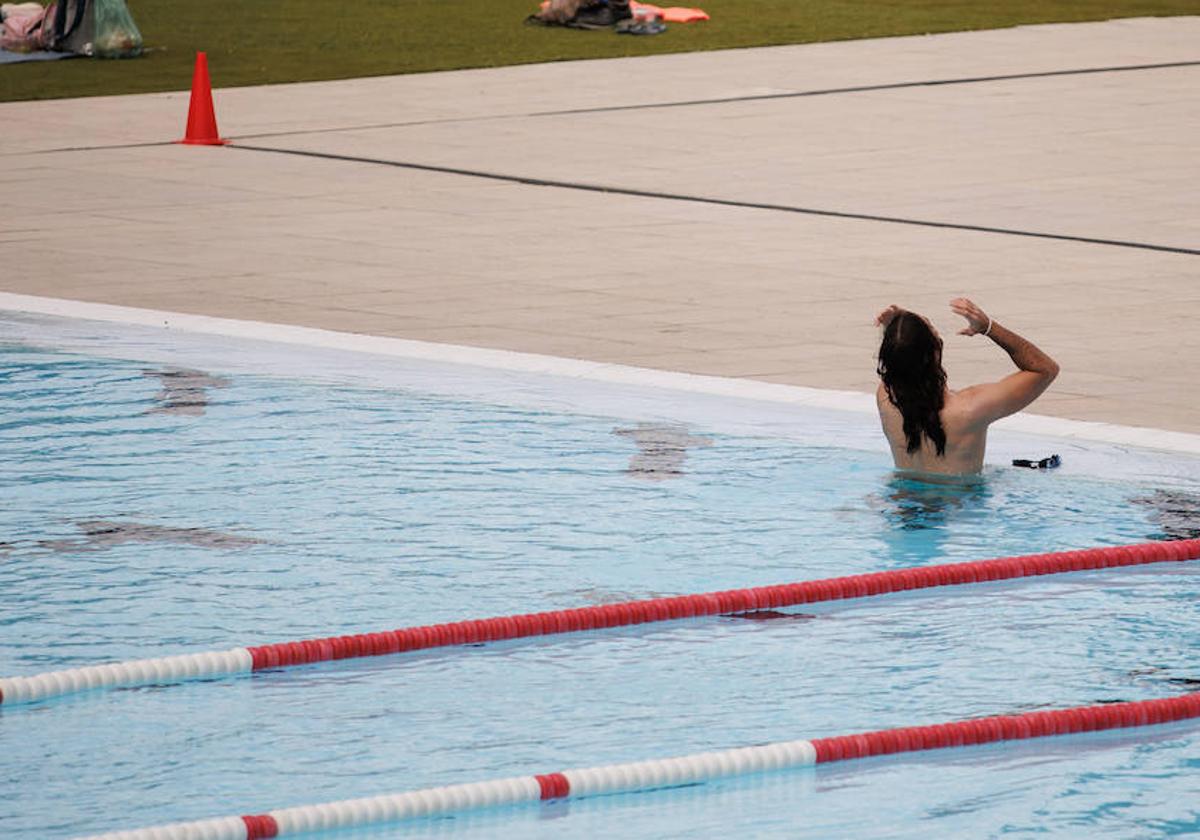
(669, 772)
(174, 669)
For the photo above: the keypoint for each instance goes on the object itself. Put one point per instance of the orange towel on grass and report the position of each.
(671, 14)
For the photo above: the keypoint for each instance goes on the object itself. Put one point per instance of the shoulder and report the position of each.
(987, 402)
(965, 401)
(884, 404)
(965, 396)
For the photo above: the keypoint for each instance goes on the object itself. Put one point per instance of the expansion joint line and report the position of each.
(726, 100)
(656, 774)
(800, 94)
(174, 669)
(647, 106)
(721, 202)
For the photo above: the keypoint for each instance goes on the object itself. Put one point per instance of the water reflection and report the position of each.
(1154, 673)
(909, 504)
(772, 615)
(918, 516)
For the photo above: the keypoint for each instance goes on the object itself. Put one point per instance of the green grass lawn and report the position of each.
(253, 42)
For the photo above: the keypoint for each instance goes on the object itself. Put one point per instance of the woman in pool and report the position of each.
(932, 429)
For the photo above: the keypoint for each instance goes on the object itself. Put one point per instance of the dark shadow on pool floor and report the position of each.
(662, 450)
(1175, 512)
(102, 534)
(184, 391)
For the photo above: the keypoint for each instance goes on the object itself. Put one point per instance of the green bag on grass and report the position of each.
(116, 35)
(101, 28)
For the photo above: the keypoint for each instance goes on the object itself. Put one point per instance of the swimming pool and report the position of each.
(164, 506)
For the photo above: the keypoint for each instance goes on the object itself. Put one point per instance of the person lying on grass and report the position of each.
(935, 430)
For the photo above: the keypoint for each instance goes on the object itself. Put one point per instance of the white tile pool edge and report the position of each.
(614, 374)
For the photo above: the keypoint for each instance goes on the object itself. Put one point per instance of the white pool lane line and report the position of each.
(269, 657)
(657, 774)
(530, 363)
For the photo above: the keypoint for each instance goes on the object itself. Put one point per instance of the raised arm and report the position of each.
(1035, 372)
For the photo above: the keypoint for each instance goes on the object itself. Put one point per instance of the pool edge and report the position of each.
(1145, 437)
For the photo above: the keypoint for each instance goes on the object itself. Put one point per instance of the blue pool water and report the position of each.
(149, 510)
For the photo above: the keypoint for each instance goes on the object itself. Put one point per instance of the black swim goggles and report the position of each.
(1044, 464)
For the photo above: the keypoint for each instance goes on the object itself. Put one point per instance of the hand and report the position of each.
(977, 320)
(885, 317)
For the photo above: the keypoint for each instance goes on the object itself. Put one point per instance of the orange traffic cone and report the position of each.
(202, 120)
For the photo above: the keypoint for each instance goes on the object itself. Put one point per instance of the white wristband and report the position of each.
(988, 331)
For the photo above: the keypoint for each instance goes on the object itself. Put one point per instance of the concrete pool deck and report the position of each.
(740, 213)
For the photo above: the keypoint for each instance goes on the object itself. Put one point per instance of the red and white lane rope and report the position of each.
(669, 772)
(173, 669)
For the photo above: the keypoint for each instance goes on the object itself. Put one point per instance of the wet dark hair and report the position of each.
(910, 365)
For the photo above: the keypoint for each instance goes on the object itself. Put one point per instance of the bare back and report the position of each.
(966, 438)
(966, 414)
